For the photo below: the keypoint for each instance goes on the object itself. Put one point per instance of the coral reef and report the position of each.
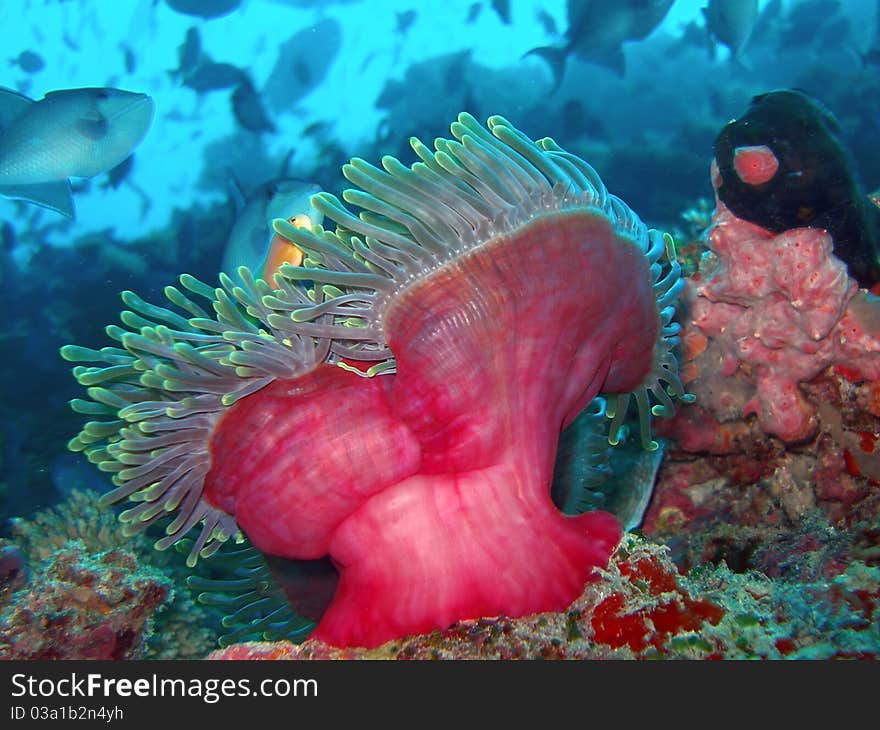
(76, 518)
(181, 628)
(777, 459)
(783, 166)
(645, 608)
(40, 549)
(778, 309)
(428, 480)
(11, 572)
(83, 607)
(775, 467)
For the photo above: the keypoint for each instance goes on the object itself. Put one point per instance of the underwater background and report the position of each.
(258, 96)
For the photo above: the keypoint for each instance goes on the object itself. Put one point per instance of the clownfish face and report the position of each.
(282, 251)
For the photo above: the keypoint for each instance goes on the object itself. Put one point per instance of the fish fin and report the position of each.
(53, 195)
(611, 58)
(707, 19)
(555, 57)
(11, 105)
(285, 163)
(93, 128)
(740, 63)
(236, 194)
(635, 477)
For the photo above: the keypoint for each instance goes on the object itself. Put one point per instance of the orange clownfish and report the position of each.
(283, 251)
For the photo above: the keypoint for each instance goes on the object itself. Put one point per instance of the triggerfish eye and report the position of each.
(283, 251)
(755, 164)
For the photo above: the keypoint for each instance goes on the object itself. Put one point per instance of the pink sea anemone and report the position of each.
(396, 403)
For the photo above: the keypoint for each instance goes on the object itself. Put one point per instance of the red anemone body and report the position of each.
(430, 488)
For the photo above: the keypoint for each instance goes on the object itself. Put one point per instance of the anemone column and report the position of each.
(489, 369)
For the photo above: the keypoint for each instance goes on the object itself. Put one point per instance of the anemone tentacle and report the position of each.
(414, 220)
(163, 391)
(254, 606)
(662, 383)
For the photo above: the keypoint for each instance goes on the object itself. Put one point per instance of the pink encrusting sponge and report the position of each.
(396, 403)
(783, 308)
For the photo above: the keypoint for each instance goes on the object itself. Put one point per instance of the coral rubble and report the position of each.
(154, 615)
(775, 467)
(645, 608)
(83, 607)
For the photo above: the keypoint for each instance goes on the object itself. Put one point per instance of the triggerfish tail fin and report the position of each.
(555, 57)
(53, 195)
(282, 250)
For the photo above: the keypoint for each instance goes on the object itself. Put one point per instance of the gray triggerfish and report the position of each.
(67, 133)
(731, 22)
(597, 30)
